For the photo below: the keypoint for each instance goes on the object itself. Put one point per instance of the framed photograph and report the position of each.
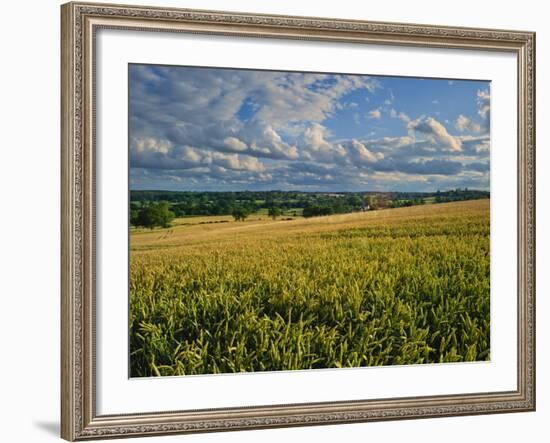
(282, 221)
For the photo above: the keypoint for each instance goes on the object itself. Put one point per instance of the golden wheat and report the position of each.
(396, 286)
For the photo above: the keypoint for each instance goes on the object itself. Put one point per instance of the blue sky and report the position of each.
(229, 129)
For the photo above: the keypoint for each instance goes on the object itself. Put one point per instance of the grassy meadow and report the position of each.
(390, 287)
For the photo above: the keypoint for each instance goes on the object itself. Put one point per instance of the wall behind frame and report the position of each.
(29, 219)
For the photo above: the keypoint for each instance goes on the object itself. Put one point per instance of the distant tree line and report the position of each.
(225, 203)
(158, 208)
(405, 203)
(460, 195)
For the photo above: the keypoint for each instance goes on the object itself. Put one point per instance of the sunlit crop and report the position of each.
(389, 287)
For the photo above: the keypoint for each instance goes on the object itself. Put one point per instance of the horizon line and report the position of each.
(312, 192)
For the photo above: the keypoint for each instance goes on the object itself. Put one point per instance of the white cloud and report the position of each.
(393, 142)
(201, 107)
(315, 140)
(237, 162)
(277, 146)
(404, 117)
(150, 144)
(374, 114)
(436, 133)
(209, 128)
(304, 97)
(400, 115)
(464, 123)
(315, 137)
(391, 98)
(360, 152)
(483, 146)
(189, 154)
(484, 102)
(234, 144)
(345, 152)
(162, 154)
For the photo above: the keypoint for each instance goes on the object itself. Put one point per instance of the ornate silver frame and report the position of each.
(80, 21)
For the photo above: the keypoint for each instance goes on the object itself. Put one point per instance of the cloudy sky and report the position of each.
(229, 129)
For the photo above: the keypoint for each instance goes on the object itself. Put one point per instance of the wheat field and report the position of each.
(389, 287)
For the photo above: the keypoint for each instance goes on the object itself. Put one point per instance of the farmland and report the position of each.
(399, 286)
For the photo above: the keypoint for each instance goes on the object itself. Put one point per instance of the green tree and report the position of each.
(274, 212)
(372, 202)
(134, 217)
(154, 214)
(239, 213)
